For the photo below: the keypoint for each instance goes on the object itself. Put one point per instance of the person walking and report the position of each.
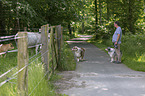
(117, 41)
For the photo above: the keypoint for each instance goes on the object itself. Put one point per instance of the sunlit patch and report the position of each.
(100, 41)
(115, 94)
(105, 89)
(141, 58)
(95, 62)
(96, 87)
(76, 42)
(89, 74)
(85, 36)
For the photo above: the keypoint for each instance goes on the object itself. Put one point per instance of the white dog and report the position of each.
(112, 53)
(79, 53)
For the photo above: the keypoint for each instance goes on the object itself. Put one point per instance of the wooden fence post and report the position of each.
(58, 38)
(61, 37)
(59, 42)
(56, 45)
(45, 48)
(23, 59)
(52, 48)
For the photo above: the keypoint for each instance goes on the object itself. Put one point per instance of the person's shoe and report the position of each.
(118, 62)
(114, 61)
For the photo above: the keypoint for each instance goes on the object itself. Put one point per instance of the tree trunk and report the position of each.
(69, 28)
(144, 6)
(83, 17)
(83, 27)
(108, 11)
(130, 17)
(96, 13)
(100, 12)
(2, 20)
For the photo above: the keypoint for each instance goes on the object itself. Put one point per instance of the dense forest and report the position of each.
(93, 17)
(89, 16)
(17, 14)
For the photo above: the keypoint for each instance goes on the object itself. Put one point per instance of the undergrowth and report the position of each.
(67, 60)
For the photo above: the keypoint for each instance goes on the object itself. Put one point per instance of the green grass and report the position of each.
(133, 48)
(67, 60)
(35, 74)
(9, 61)
(36, 77)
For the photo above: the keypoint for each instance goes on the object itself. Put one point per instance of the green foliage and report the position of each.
(67, 60)
(34, 13)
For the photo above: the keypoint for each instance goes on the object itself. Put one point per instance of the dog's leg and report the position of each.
(82, 55)
(5, 55)
(112, 59)
(36, 48)
(77, 59)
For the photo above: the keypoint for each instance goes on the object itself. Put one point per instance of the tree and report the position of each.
(2, 18)
(108, 14)
(96, 14)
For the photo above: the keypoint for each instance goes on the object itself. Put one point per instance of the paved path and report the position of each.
(99, 77)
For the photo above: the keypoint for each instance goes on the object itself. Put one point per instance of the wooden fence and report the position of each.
(50, 52)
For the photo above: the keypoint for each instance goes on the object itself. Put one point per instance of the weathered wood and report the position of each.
(56, 44)
(61, 37)
(58, 41)
(23, 58)
(52, 48)
(45, 48)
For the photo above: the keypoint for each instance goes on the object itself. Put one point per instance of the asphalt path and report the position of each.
(99, 77)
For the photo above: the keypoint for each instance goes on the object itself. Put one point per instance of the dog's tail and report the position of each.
(83, 49)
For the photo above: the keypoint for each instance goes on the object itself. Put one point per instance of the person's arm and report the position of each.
(117, 39)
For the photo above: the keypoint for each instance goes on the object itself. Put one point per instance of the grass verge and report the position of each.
(132, 47)
(67, 60)
(37, 84)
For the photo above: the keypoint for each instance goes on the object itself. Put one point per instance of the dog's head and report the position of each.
(108, 49)
(75, 48)
(11, 46)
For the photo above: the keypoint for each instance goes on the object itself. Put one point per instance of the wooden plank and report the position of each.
(59, 42)
(52, 47)
(23, 59)
(56, 45)
(61, 37)
(45, 48)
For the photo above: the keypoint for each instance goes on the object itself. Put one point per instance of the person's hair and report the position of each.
(117, 22)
